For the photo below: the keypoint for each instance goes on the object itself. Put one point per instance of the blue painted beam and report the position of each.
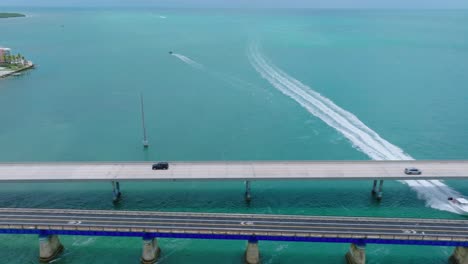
(235, 237)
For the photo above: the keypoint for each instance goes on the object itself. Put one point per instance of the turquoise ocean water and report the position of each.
(237, 88)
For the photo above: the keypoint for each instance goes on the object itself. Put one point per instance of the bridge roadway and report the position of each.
(235, 226)
(248, 170)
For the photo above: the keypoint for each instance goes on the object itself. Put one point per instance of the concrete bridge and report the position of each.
(358, 231)
(117, 172)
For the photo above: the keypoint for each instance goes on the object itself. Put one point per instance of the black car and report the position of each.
(161, 166)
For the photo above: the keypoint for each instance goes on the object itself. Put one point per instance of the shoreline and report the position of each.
(11, 15)
(4, 74)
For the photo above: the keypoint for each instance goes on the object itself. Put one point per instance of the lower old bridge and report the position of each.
(49, 224)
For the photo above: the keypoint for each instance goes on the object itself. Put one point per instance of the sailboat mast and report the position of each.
(145, 140)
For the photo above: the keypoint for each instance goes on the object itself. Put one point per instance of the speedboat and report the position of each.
(170, 52)
(460, 204)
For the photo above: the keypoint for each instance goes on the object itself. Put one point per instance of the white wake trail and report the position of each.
(189, 61)
(224, 77)
(363, 138)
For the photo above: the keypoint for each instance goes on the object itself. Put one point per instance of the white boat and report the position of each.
(460, 204)
(16, 74)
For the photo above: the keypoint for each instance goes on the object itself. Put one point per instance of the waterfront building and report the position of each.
(5, 55)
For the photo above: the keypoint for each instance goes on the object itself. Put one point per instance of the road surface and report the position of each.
(234, 224)
(248, 170)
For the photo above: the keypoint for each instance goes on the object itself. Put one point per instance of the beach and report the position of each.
(4, 72)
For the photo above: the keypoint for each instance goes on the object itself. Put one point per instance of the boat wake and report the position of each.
(188, 61)
(228, 78)
(434, 192)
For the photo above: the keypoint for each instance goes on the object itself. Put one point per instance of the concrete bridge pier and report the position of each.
(248, 196)
(252, 254)
(356, 254)
(378, 192)
(49, 247)
(374, 187)
(459, 256)
(116, 191)
(151, 250)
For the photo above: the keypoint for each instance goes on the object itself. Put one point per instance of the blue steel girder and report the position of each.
(358, 241)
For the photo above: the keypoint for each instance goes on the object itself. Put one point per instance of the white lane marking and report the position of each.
(256, 229)
(311, 223)
(245, 223)
(253, 230)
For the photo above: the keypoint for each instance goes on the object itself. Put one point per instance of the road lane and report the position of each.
(248, 170)
(237, 223)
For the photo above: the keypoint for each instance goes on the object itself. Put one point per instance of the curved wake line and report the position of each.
(188, 61)
(363, 138)
(224, 77)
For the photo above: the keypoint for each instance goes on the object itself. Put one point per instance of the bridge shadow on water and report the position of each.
(343, 198)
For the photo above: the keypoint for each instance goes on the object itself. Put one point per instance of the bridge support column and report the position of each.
(356, 254)
(459, 256)
(252, 254)
(380, 191)
(116, 191)
(247, 195)
(49, 247)
(151, 250)
(374, 187)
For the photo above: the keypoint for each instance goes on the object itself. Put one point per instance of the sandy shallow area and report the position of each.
(4, 71)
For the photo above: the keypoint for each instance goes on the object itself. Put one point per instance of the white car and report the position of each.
(412, 171)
